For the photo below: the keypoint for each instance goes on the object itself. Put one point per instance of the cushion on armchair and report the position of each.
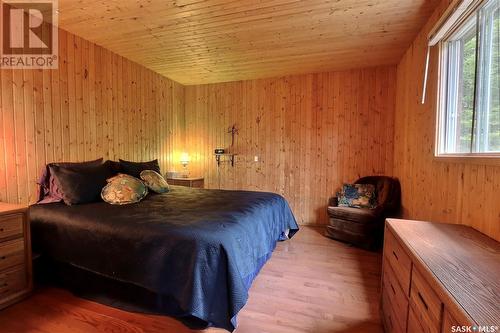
(388, 193)
(359, 215)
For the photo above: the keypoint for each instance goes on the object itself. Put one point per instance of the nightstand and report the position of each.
(15, 254)
(198, 182)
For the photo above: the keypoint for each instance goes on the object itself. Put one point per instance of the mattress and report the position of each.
(202, 248)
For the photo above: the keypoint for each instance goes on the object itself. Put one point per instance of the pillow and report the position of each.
(49, 191)
(124, 189)
(80, 185)
(134, 168)
(154, 181)
(358, 196)
(115, 167)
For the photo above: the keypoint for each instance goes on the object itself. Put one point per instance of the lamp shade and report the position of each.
(184, 158)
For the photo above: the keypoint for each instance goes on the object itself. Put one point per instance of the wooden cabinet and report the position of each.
(437, 277)
(391, 315)
(425, 303)
(398, 260)
(15, 254)
(414, 324)
(395, 295)
(449, 321)
(198, 182)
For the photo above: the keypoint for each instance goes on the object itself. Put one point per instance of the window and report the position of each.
(469, 117)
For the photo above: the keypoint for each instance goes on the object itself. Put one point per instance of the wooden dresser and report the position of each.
(198, 182)
(15, 254)
(436, 277)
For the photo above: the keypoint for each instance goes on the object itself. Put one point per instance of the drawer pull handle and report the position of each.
(393, 290)
(3, 258)
(422, 300)
(1, 229)
(4, 285)
(395, 255)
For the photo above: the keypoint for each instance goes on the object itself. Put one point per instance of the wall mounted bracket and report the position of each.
(218, 158)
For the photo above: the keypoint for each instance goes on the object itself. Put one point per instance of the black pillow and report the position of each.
(49, 189)
(80, 185)
(114, 166)
(134, 169)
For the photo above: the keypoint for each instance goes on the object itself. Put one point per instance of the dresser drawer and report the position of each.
(11, 253)
(413, 324)
(188, 182)
(177, 182)
(12, 281)
(391, 323)
(399, 261)
(11, 225)
(425, 303)
(197, 183)
(396, 295)
(449, 322)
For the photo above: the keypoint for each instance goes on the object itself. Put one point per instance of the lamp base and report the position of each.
(185, 171)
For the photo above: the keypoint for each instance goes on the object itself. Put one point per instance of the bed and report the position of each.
(201, 248)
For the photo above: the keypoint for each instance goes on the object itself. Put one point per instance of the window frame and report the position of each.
(442, 96)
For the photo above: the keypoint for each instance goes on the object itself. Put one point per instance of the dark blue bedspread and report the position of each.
(202, 248)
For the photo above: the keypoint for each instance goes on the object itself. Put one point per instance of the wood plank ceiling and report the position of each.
(208, 41)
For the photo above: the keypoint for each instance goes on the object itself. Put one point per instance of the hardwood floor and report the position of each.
(311, 284)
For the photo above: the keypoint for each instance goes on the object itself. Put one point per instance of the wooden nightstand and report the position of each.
(15, 254)
(198, 182)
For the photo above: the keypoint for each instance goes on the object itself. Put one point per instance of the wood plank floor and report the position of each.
(311, 284)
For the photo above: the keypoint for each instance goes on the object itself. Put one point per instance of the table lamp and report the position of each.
(185, 161)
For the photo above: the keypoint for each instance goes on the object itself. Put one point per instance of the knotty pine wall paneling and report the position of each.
(436, 189)
(310, 132)
(97, 104)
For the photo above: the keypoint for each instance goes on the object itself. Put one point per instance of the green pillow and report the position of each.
(124, 189)
(358, 196)
(154, 181)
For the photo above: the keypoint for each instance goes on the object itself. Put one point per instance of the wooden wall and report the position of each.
(97, 104)
(433, 189)
(310, 132)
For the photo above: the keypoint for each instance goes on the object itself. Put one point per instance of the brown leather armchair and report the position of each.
(364, 227)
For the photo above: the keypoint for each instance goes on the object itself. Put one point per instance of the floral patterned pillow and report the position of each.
(358, 196)
(124, 189)
(154, 181)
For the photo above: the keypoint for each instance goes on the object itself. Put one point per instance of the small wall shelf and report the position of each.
(218, 158)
